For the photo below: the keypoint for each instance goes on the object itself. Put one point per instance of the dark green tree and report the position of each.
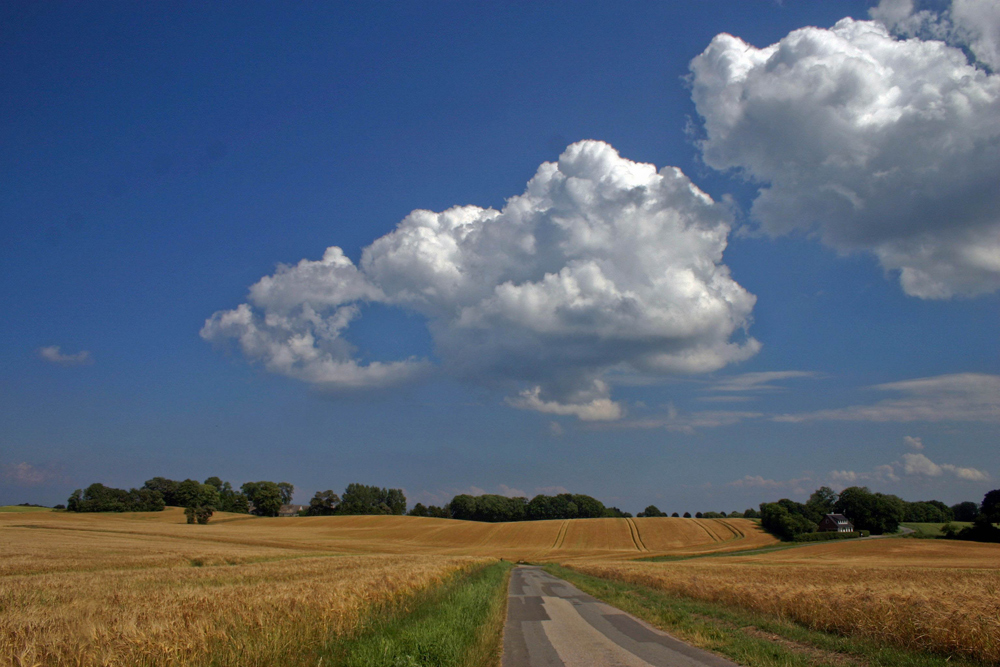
(324, 503)
(362, 499)
(166, 487)
(615, 513)
(100, 498)
(965, 511)
(287, 491)
(652, 510)
(777, 519)
(463, 506)
(542, 507)
(990, 507)
(876, 512)
(265, 496)
(821, 503)
(439, 512)
(587, 507)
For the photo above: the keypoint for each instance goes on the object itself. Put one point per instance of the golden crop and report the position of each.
(149, 589)
(560, 540)
(934, 596)
(70, 597)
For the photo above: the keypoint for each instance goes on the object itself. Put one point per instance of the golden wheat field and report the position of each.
(175, 602)
(528, 540)
(919, 594)
(147, 588)
(115, 589)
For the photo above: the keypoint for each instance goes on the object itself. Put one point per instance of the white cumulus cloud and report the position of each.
(969, 24)
(601, 266)
(870, 142)
(913, 443)
(918, 464)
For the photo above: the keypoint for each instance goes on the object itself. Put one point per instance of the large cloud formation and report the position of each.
(602, 265)
(872, 142)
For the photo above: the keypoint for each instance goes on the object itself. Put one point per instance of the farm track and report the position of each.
(561, 536)
(737, 533)
(636, 538)
(712, 535)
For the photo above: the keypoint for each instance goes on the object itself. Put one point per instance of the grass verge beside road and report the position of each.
(750, 639)
(458, 624)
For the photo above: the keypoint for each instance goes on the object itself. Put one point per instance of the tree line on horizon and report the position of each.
(879, 513)
(201, 500)
(869, 511)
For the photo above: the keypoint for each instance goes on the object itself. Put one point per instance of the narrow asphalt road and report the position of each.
(552, 623)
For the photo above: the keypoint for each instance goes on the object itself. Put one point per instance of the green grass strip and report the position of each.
(781, 546)
(457, 624)
(744, 637)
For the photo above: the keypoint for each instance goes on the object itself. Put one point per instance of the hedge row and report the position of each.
(831, 535)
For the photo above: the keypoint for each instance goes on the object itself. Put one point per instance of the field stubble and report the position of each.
(894, 591)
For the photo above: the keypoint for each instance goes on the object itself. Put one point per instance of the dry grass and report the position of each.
(930, 596)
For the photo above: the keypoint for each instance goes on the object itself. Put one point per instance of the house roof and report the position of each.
(839, 518)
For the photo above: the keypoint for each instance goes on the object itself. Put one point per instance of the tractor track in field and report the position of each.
(636, 538)
(737, 533)
(707, 531)
(561, 536)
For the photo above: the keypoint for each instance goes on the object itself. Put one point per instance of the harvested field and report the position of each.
(925, 595)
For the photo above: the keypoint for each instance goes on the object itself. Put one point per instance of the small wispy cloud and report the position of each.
(52, 354)
(794, 486)
(26, 474)
(764, 381)
(688, 422)
(971, 397)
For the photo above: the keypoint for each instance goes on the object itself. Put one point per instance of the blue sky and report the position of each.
(811, 299)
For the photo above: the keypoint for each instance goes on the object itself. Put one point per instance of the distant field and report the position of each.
(933, 529)
(939, 595)
(528, 540)
(22, 508)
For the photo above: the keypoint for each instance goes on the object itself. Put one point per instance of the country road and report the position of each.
(551, 623)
